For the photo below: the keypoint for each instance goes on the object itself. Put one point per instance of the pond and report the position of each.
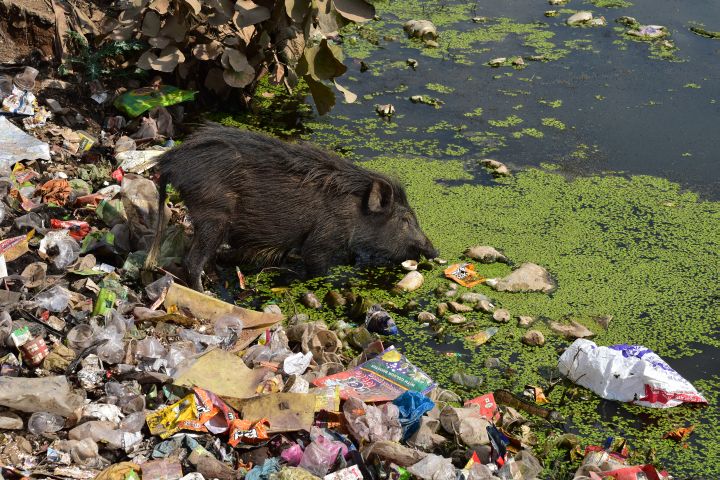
(614, 147)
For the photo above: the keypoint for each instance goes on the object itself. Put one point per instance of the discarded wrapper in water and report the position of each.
(464, 274)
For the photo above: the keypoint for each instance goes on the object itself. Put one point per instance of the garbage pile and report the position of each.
(106, 373)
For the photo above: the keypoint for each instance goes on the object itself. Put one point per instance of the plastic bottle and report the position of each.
(43, 422)
(80, 337)
(482, 337)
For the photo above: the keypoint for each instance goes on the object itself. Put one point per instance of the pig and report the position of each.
(267, 198)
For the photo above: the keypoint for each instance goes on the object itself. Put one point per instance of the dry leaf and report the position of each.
(151, 24)
(195, 5)
(207, 51)
(238, 79)
(297, 10)
(160, 42)
(160, 6)
(166, 62)
(174, 28)
(249, 13)
(354, 10)
(214, 81)
(350, 97)
(323, 95)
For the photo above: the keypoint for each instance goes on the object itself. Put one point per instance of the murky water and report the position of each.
(623, 110)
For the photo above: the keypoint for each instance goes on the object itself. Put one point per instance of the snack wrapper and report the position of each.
(464, 274)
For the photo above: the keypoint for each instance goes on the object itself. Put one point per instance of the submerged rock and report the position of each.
(496, 62)
(456, 319)
(422, 29)
(473, 298)
(574, 330)
(412, 281)
(498, 168)
(534, 338)
(456, 307)
(529, 277)
(485, 306)
(501, 315)
(310, 300)
(485, 254)
(525, 321)
(426, 317)
(579, 18)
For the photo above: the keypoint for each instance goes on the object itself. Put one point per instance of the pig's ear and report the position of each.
(380, 196)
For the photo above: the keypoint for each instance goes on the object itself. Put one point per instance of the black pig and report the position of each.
(267, 198)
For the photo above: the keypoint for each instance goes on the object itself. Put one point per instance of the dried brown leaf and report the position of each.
(238, 79)
(249, 13)
(355, 10)
(322, 61)
(297, 10)
(329, 21)
(151, 23)
(160, 42)
(195, 5)
(165, 62)
(323, 95)
(208, 51)
(350, 97)
(160, 6)
(236, 60)
(174, 28)
(214, 81)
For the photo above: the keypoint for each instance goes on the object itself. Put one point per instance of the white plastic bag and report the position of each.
(628, 373)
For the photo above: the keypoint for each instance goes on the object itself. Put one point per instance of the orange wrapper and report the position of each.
(464, 274)
(245, 431)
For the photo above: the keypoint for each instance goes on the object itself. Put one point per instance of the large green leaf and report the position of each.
(322, 61)
(323, 96)
(355, 10)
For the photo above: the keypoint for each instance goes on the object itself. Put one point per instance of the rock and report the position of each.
(498, 168)
(426, 317)
(557, 2)
(485, 306)
(411, 281)
(574, 330)
(518, 61)
(335, 299)
(440, 261)
(480, 19)
(431, 43)
(422, 29)
(456, 319)
(598, 22)
(410, 265)
(579, 18)
(10, 421)
(551, 13)
(473, 298)
(456, 307)
(310, 300)
(298, 319)
(442, 309)
(525, 321)
(501, 315)
(603, 320)
(485, 254)
(529, 277)
(275, 309)
(496, 62)
(534, 338)
(386, 110)
(412, 63)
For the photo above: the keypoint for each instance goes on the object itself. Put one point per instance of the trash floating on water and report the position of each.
(497, 168)
(627, 373)
(528, 277)
(648, 32)
(422, 29)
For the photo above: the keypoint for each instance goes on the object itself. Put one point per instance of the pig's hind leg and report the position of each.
(208, 236)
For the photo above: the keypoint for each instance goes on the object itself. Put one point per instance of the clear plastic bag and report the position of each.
(368, 423)
(155, 289)
(150, 347)
(434, 467)
(55, 299)
(67, 248)
(41, 423)
(228, 325)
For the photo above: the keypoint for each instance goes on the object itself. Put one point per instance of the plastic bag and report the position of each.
(467, 423)
(628, 373)
(522, 466)
(411, 407)
(135, 102)
(40, 423)
(45, 394)
(228, 325)
(377, 320)
(433, 467)
(368, 423)
(55, 299)
(321, 454)
(16, 145)
(68, 249)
